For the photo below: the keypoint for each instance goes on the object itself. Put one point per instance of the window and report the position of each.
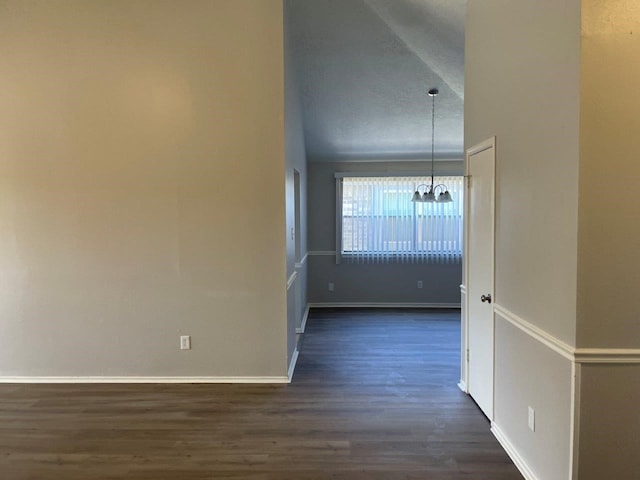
(377, 221)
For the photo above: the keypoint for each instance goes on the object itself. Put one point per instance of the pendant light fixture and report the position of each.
(430, 191)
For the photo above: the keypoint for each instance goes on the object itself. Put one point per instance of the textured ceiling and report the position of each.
(363, 69)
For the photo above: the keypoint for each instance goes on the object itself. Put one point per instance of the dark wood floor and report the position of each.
(374, 396)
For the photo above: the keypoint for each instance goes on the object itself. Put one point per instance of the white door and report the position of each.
(480, 164)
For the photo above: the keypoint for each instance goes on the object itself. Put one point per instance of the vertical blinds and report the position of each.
(379, 222)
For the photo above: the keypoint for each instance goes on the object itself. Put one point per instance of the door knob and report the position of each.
(486, 298)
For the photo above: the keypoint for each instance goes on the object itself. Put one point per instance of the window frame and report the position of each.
(395, 256)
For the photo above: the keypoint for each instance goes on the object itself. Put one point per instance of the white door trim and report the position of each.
(478, 148)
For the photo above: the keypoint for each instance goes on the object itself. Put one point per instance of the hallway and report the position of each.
(374, 396)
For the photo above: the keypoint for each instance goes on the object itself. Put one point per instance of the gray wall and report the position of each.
(361, 283)
(295, 160)
(609, 241)
(135, 141)
(522, 85)
(567, 262)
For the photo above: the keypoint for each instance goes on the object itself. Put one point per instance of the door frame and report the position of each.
(464, 374)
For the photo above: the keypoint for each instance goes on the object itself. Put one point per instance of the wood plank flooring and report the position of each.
(374, 397)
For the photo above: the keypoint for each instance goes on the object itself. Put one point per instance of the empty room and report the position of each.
(319, 239)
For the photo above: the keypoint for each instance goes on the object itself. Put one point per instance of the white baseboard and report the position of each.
(303, 324)
(100, 379)
(382, 305)
(292, 365)
(519, 462)
(463, 386)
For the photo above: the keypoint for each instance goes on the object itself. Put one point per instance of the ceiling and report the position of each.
(364, 68)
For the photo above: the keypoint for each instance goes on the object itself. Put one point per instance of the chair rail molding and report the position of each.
(291, 279)
(302, 261)
(538, 333)
(576, 355)
(607, 355)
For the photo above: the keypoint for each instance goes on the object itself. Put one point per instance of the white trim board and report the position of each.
(303, 324)
(519, 462)
(302, 261)
(292, 279)
(400, 173)
(607, 355)
(574, 426)
(132, 379)
(382, 305)
(420, 160)
(292, 365)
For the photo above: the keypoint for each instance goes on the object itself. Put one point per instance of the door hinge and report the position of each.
(467, 354)
(468, 177)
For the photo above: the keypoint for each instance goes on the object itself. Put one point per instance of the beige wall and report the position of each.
(609, 237)
(609, 422)
(609, 233)
(135, 138)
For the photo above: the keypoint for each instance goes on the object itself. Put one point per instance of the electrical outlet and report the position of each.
(532, 419)
(330, 286)
(420, 284)
(185, 342)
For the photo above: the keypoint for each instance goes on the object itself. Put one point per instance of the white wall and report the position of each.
(381, 283)
(135, 137)
(529, 374)
(522, 85)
